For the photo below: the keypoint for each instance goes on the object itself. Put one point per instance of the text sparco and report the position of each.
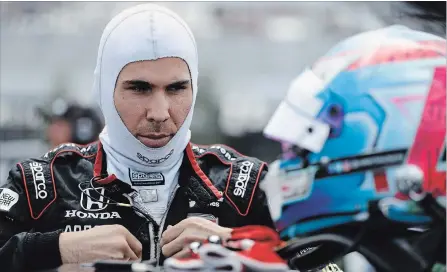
(242, 179)
(154, 161)
(80, 214)
(39, 180)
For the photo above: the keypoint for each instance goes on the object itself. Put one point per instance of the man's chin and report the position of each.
(154, 143)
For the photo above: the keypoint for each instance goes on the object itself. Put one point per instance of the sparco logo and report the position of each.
(39, 180)
(155, 161)
(80, 214)
(242, 179)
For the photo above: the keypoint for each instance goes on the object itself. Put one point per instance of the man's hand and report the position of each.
(187, 231)
(109, 242)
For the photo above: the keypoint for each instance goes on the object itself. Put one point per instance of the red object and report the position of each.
(381, 182)
(398, 53)
(249, 248)
(429, 142)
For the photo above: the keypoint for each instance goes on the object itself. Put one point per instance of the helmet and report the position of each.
(363, 140)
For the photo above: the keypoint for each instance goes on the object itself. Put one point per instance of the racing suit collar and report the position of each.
(190, 174)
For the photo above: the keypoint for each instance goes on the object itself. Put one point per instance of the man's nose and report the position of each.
(158, 107)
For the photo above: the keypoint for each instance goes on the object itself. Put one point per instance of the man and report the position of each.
(70, 123)
(143, 190)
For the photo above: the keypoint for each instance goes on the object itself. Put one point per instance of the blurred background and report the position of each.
(248, 52)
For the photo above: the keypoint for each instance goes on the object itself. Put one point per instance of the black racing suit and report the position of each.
(51, 194)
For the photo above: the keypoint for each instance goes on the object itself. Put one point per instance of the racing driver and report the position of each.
(143, 190)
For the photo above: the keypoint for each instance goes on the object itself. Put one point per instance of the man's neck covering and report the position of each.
(143, 32)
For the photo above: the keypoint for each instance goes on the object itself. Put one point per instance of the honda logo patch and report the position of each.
(92, 199)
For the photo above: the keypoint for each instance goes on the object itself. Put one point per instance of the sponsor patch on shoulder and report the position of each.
(146, 179)
(8, 199)
(242, 184)
(39, 185)
(224, 153)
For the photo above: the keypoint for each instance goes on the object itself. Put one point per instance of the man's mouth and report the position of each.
(154, 140)
(155, 136)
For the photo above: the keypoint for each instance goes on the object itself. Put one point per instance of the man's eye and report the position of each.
(139, 89)
(176, 88)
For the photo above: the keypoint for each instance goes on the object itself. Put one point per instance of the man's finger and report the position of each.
(180, 242)
(185, 252)
(128, 253)
(134, 244)
(173, 232)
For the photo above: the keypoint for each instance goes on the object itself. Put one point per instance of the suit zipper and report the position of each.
(155, 229)
(163, 219)
(153, 233)
(152, 225)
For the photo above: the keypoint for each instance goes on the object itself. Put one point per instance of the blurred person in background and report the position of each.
(363, 162)
(143, 190)
(425, 12)
(70, 123)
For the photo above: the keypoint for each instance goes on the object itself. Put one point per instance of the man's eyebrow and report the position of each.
(180, 82)
(137, 82)
(140, 82)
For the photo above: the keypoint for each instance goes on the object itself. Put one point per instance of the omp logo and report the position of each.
(154, 161)
(93, 200)
(38, 180)
(242, 179)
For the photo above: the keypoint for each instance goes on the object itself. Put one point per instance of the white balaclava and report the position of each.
(143, 32)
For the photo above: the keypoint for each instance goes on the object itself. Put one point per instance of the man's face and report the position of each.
(153, 99)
